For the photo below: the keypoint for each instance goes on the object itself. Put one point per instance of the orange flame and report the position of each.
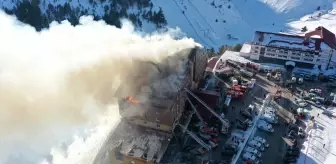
(132, 100)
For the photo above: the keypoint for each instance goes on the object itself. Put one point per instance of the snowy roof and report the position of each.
(139, 142)
(246, 48)
(211, 63)
(235, 56)
(297, 42)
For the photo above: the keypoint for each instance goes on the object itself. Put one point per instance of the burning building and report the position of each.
(152, 107)
(159, 101)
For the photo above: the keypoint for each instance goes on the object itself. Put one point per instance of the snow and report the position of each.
(287, 41)
(235, 56)
(323, 132)
(218, 22)
(246, 48)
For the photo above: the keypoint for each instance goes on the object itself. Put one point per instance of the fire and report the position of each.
(132, 100)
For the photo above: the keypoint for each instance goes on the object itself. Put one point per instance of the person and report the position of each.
(323, 145)
(318, 114)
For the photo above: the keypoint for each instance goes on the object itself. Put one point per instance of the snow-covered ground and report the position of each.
(320, 145)
(214, 23)
(220, 22)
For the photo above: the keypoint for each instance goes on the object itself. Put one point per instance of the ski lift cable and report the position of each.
(189, 22)
(201, 15)
(203, 30)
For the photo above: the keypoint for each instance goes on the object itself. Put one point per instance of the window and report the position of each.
(255, 51)
(145, 122)
(308, 59)
(262, 50)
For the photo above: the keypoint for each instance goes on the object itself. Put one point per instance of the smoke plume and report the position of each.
(62, 81)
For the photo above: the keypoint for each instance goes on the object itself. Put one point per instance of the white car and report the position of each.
(270, 118)
(263, 125)
(256, 144)
(270, 110)
(302, 104)
(261, 140)
(253, 151)
(271, 113)
(250, 157)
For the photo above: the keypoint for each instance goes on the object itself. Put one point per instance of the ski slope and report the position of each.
(214, 23)
(226, 22)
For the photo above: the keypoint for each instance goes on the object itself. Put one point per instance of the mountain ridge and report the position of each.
(213, 23)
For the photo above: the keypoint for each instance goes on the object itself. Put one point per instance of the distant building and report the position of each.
(303, 50)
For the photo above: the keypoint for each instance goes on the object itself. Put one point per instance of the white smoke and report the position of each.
(57, 85)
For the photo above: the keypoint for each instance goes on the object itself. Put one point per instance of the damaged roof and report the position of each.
(139, 142)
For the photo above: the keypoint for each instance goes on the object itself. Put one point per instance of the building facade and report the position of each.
(164, 113)
(300, 49)
(149, 132)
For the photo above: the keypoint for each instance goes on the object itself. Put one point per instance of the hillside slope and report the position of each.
(210, 22)
(228, 22)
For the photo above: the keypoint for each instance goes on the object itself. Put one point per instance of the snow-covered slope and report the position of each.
(219, 22)
(210, 22)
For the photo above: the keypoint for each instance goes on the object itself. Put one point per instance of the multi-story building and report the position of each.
(305, 50)
(161, 111)
(147, 126)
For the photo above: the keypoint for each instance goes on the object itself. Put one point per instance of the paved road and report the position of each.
(277, 146)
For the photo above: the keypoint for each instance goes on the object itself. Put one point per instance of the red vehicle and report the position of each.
(236, 94)
(239, 88)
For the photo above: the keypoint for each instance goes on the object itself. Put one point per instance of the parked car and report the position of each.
(293, 127)
(316, 91)
(231, 147)
(263, 125)
(246, 114)
(242, 126)
(250, 157)
(270, 109)
(292, 133)
(261, 140)
(253, 151)
(248, 122)
(270, 118)
(256, 144)
(307, 77)
(301, 134)
(271, 113)
(303, 104)
(318, 104)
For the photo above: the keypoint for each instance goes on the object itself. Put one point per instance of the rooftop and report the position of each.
(138, 142)
(326, 39)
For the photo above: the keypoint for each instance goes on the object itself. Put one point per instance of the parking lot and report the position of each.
(276, 139)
